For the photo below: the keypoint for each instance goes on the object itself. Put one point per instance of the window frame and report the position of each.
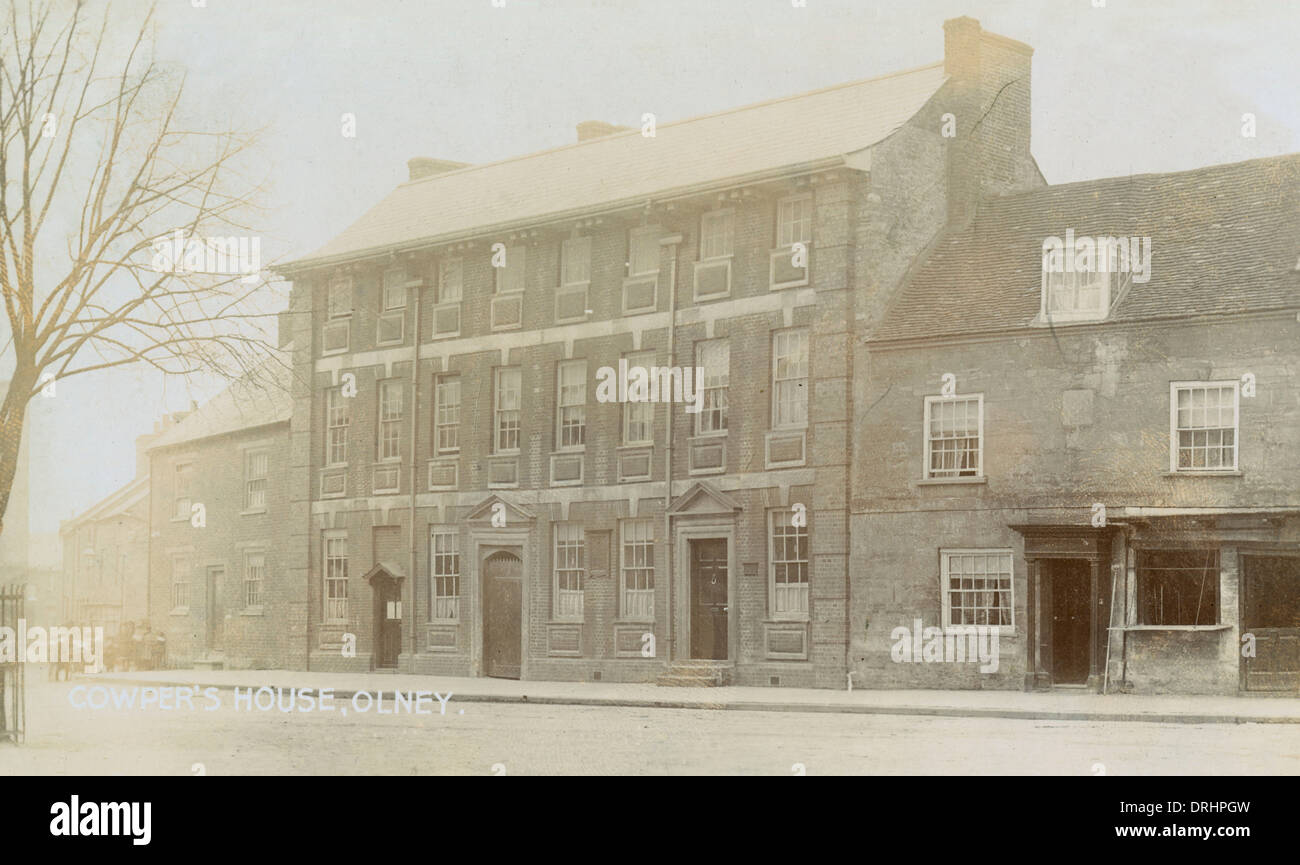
(721, 214)
(340, 535)
(945, 556)
(567, 247)
(774, 381)
(187, 465)
(1174, 429)
(801, 198)
(642, 234)
(580, 407)
(342, 287)
(625, 593)
(383, 426)
(580, 546)
(498, 411)
(1105, 290)
(700, 348)
(261, 580)
(344, 409)
(444, 265)
(646, 406)
(926, 470)
(441, 381)
(451, 601)
(385, 286)
(783, 516)
(514, 253)
(249, 456)
(187, 583)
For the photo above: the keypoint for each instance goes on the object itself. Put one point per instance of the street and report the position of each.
(478, 738)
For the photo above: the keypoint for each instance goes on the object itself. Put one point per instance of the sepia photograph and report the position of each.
(650, 388)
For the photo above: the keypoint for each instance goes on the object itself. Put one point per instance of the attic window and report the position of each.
(1076, 285)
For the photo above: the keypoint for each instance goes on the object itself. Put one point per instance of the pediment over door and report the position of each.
(386, 570)
(704, 498)
(514, 514)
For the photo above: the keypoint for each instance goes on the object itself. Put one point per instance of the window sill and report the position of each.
(179, 611)
(566, 622)
(1171, 628)
(649, 623)
(930, 482)
(801, 619)
(443, 622)
(1205, 473)
(252, 511)
(252, 611)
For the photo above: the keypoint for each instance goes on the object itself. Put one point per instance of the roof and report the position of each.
(1223, 239)
(120, 501)
(257, 399)
(626, 168)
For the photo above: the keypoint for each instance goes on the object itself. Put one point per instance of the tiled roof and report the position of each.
(262, 397)
(117, 502)
(1223, 239)
(627, 168)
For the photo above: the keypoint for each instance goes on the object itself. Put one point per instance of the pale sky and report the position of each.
(1134, 87)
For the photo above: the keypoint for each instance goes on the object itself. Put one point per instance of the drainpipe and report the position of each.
(415, 429)
(671, 242)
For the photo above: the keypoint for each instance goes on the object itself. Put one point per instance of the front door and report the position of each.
(709, 599)
(503, 601)
(1271, 603)
(388, 621)
(216, 609)
(1071, 584)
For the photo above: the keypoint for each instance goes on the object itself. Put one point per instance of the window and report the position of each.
(255, 464)
(977, 587)
(336, 576)
(714, 357)
(254, 576)
(575, 261)
(505, 417)
(390, 419)
(338, 417)
(394, 289)
(1076, 294)
(789, 557)
(180, 582)
(717, 234)
(1178, 587)
(954, 436)
(638, 565)
(510, 277)
(643, 251)
(444, 556)
(571, 384)
(570, 549)
(447, 413)
(794, 220)
(451, 280)
(182, 481)
(789, 379)
(639, 417)
(340, 297)
(1203, 419)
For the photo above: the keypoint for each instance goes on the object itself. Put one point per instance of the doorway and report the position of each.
(1271, 612)
(388, 621)
(503, 596)
(1071, 651)
(708, 574)
(216, 611)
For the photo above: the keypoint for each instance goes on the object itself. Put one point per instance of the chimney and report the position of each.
(142, 443)
(989, 95)
(589, 129)
(424, 166)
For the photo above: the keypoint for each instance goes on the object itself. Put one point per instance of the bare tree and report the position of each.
(91, 134)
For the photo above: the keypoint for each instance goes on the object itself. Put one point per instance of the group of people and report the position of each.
(133, 647)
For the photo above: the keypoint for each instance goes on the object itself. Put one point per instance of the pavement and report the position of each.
(1056, 705)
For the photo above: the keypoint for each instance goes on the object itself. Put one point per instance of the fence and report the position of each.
(13, 703)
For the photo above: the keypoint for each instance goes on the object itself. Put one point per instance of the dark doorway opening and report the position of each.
(388, 621)
(216, 609)
(503, 602)
(709, 599)
(1071, 653)
(1271, 605)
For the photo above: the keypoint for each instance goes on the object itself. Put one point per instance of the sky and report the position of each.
(1125, 87)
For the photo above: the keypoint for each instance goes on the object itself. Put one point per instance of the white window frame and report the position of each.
(388, 427)
(1073, 282)
(338, 298)
(927, 472)
(338, 422)
(636, 542)
(569, 602)
(803, 224)
(516, 256)
(945, 589)
(253, 576)
(725, 216)
(575, 251)
(182, 565)
(334, 569)
(571, 403)
(800, 592)
(442, 383)
(393, 278)
(710, 384)
(449, 290)
(1175, 429)
(444, 565)
(777, 422)
(505, 420)
(648, 234)
(250, 456)
(630, 409)
(188, 498)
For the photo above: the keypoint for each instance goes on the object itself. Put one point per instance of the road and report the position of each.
(513, 739)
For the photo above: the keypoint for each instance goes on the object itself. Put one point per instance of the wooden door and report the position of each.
(709, 599)
(1071, 651)
(1271, 605)
(388, 621)
(503, 601)
(216, 611)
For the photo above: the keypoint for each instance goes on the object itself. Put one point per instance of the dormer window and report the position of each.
(1076, 282)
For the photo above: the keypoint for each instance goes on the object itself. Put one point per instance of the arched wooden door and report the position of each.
(503, 601)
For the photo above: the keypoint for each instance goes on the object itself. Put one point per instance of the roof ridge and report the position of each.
(693, 119)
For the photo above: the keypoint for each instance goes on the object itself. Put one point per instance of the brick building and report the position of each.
(476, 506)
(218, 512)
(1171, 403)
